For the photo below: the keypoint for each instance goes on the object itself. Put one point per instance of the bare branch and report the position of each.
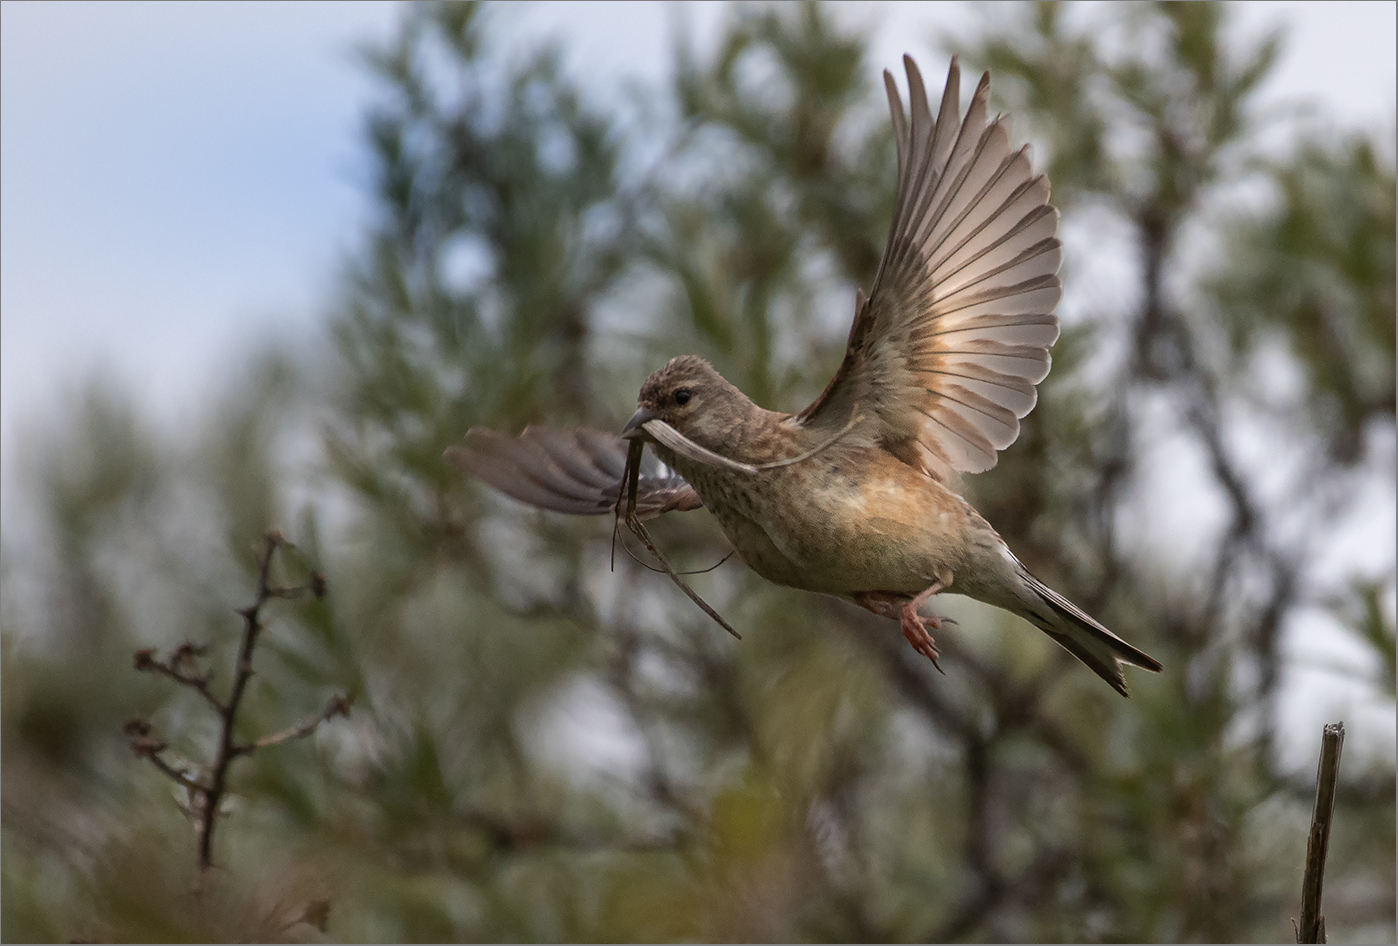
(1332, 740)
(146, 661)
(183, 667)
(147, 746)
(338, 706)
(242, 673)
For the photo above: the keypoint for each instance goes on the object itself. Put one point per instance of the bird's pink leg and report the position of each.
(904, 610)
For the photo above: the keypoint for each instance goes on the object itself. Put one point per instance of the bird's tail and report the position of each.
(1079, 634)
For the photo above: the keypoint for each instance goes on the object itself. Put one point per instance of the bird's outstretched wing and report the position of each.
(945, 352)
(576, 471)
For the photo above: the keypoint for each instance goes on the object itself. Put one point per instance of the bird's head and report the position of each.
(692, 397)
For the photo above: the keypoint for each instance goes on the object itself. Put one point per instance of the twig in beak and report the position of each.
(631, 477)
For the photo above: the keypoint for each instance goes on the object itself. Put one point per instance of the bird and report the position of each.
(856, 495)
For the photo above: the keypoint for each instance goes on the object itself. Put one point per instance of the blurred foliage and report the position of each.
(543, 748)
(1316, 272)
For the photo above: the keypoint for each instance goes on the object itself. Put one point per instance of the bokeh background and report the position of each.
(263, 263)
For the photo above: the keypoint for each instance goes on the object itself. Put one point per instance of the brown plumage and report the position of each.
(853, 496)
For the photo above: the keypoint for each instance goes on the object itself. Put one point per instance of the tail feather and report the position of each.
(1082, 636)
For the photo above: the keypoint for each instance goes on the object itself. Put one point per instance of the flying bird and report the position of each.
(855, 495)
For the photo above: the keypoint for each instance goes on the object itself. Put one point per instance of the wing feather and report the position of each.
(575, 471)
(945, 353)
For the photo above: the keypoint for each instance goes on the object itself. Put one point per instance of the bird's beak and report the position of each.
(635, 426)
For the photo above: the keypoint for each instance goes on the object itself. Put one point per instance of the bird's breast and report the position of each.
(843, 521)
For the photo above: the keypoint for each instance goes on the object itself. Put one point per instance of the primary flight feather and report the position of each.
(854, 496)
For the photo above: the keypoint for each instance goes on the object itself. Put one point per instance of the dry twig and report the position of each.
(206, 792)
(1332, 740)
(631, 478)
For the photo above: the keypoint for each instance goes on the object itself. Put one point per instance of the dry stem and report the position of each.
(206, 794)
(1332, 740)
(633, 522)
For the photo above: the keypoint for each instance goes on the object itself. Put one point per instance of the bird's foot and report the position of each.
(917, 629)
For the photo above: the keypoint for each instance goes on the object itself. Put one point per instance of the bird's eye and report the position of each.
(682, 396)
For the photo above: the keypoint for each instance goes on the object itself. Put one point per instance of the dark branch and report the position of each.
(148, 747)
(1332, 741)
(242, 673)
(206, 796)
(145, 660)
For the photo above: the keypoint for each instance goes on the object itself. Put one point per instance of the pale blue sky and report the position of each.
(181, 178)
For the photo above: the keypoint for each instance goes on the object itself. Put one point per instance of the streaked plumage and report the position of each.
(941, 365)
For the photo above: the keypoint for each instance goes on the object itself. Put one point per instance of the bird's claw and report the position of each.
(915, 630)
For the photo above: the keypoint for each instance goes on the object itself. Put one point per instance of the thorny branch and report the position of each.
(206, 792)
(182, 668)
(147, 746)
